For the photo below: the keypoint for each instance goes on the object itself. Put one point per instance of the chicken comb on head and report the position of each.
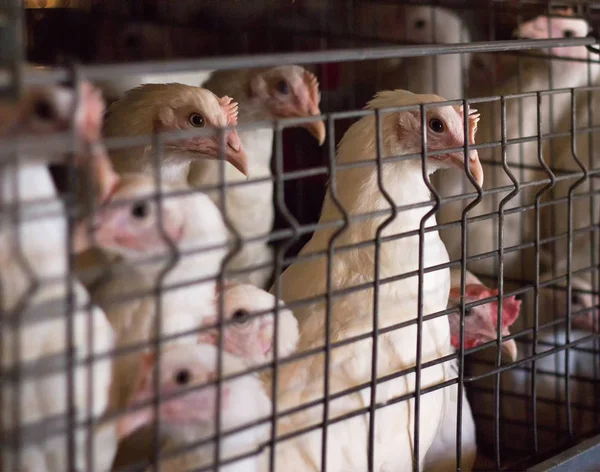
(474, 117)
(312, 84)
(231, 109)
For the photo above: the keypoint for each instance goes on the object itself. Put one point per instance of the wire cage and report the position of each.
(171, 303)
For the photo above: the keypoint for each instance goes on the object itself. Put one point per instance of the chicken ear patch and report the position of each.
(230, 107)
(312, 84)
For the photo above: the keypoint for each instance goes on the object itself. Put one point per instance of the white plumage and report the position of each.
(263, 95)
(519, 227)
(357, 190)
(33, 250)
(132, 226)
(190, 418)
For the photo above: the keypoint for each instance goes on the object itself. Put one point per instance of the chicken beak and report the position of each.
(510, 349)
(474, 165)
(235, 153)
(133, 421)
(317, 130)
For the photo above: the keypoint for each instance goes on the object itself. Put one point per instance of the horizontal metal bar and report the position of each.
(110, 71)
(585, 456)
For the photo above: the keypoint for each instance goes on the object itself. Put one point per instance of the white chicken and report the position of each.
(519, 227)
(358, 191)
(49, 337)
(189, 418)
(480, 327)
(440, 74)
(154, 108)
(263, 95)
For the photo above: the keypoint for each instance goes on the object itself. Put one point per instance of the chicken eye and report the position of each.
(183, 377)
(420, 24)
(282, 87)
(241, 316)
(197, 120)
(568, 33)
(436, 125)
(575, 300)
(43, 110)
(140, 210)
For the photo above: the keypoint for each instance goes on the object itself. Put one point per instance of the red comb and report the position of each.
(230, 107)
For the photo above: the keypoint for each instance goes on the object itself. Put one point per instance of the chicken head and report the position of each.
(174, 107)
(545, 27)
(249, 314)
(182, 368)
(481, 321)
(290, 91)
(444, 128)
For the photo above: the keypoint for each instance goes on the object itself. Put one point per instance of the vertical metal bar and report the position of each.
(463, 281)
(329, 285)
(568, 319)
(158, 289)
(501, 206)
(421, 270)
(538, 197)
(285, 212)
(377, 279)
(221, 299)
(12, 47)
(155, 458)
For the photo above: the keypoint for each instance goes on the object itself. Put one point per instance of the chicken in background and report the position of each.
(358, 192)
(481, 324)
(552, 303)
(154, 108)
(249, 334)
(444, 75)
(517, 406)
(264, 95)
(189, 418)
(149, 41)
(518, 228)
(36, 291)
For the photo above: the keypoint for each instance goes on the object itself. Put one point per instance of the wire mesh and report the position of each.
(359, 360)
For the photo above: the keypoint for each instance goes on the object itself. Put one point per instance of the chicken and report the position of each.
(518, 228)
(263, 95)
(132, 224)
(358, 192)
(440, 74)
(40, 303)
(555, 376)
(173, 107)
(190, 418)
(552, 303)
(250, 334)
(480, 327)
